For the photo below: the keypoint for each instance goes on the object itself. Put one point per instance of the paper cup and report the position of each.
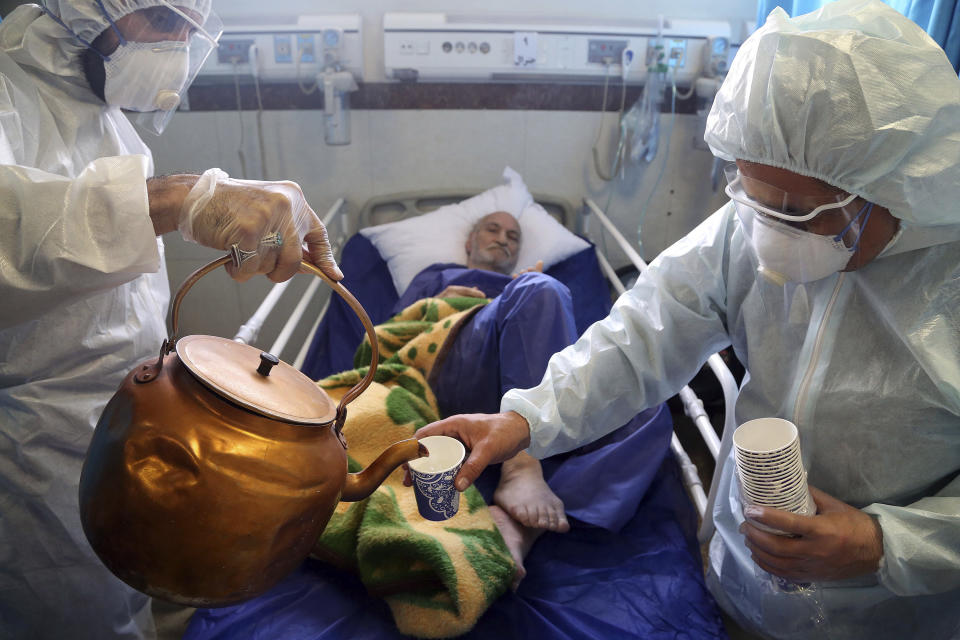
(437, 498)
(775, 495)
(773, 458)
(766, 484)
(765, 437)
(769, 470)
(770, 467)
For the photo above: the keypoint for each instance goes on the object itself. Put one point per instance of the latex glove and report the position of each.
(458, 291)
(537, 267)
(219, 212)
(839, 542)
(491, 438)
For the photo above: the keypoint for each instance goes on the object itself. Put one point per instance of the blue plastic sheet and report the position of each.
(506, 344)
(638, 578)
(630, 566)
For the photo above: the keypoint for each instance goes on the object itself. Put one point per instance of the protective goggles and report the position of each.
(805, 212)
(791, 208)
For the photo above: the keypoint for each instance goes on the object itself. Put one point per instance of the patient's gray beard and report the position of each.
(505, 248)
(490, 259)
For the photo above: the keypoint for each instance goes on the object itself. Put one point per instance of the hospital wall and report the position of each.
(395, 150)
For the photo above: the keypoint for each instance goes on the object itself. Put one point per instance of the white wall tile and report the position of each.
(429, 149)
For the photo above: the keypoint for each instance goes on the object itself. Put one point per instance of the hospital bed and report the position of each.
(631, 565)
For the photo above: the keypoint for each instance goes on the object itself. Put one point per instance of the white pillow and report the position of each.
(409, 246)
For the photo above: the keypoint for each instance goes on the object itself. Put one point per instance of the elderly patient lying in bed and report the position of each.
(527, 302)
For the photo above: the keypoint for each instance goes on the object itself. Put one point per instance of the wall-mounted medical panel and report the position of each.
(444, 47)
(288, 52)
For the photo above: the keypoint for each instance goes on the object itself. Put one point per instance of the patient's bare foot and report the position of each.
(523, 494)
(519, 539)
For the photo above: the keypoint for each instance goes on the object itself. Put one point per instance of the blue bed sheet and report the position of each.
(628, 568)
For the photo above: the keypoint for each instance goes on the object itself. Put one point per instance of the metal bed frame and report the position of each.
(389, 208)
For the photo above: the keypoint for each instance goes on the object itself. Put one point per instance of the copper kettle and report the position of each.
(213, 470)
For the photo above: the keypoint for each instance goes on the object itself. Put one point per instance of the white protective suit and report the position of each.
(865, 363)
(84, 294)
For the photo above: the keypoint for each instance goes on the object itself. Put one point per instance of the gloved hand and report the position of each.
(270, 222)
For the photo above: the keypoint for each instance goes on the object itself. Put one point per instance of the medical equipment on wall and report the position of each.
(289, 50)
(639, 136)
(162, 512)
(640, 125)
(627, 57)
(314, 51)
(337, 86)
(449, 47)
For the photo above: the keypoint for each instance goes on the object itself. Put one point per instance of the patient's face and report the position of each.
(494, 243)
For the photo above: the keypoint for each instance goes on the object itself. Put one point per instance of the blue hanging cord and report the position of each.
(112, 23)
(868, 208)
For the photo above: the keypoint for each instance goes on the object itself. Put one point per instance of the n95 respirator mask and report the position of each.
(147, 76)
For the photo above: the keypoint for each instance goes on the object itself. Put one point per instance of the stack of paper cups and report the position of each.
(770, 468)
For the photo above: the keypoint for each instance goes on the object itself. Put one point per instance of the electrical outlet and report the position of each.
(282, 49)
(234, 51)
(677, 52)
(603, 50)
(306, 52)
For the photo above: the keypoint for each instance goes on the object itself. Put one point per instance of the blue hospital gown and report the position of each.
(506, 344)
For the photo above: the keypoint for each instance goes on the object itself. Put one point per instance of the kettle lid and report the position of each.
(255, 380)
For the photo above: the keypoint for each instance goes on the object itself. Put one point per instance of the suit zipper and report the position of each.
(815, 356)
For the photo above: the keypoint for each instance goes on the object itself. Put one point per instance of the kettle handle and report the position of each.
(305, 267)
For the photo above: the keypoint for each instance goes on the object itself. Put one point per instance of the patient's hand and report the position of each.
(537, 267)
(458, 291)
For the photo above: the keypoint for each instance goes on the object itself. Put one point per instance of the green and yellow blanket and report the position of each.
(437, 577)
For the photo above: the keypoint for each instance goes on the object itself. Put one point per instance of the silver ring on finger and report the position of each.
(272, 239)
(239, 255)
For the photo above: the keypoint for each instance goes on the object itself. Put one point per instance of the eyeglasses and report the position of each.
(788, 212)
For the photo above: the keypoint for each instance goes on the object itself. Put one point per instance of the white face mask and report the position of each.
(147, 76)
(787, 254)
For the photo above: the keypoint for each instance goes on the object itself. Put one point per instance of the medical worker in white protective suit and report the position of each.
(82, 281)
(834, 272)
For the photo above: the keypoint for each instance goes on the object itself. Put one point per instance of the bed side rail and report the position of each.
(692, 405)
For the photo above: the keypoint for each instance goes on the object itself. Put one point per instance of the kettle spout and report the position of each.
(360, 485)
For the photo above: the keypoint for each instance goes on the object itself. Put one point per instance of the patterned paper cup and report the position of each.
(775, 493)
(437, 498)
(770, 467)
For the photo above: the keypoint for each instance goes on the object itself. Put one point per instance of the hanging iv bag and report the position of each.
(641, 123)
